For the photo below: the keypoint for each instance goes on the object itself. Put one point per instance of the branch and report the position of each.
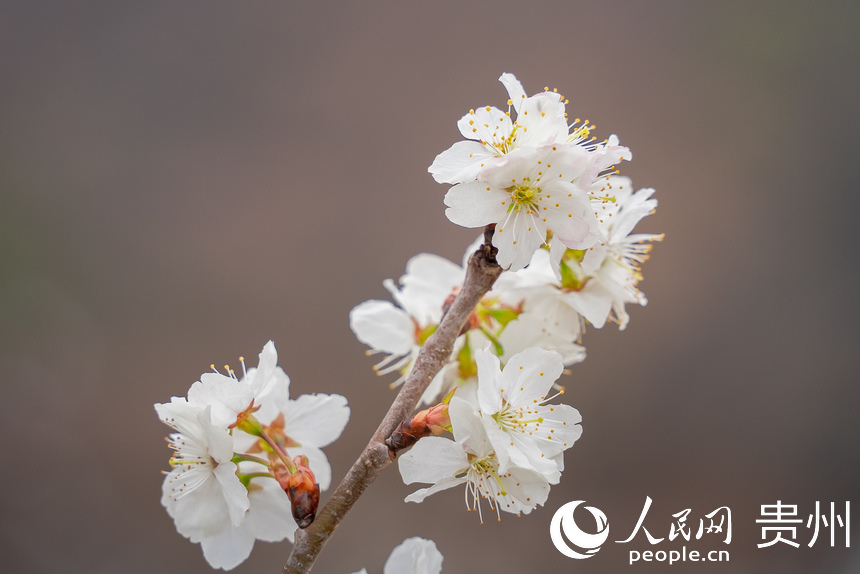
(481, 273)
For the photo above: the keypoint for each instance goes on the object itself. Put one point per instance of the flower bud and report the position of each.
(304, 492)
(434, 420)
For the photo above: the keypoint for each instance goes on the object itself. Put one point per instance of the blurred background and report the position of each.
(182, 182)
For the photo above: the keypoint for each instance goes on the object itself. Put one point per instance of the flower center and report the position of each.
(524, 195)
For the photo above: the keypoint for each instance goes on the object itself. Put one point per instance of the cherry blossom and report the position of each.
(470, 459)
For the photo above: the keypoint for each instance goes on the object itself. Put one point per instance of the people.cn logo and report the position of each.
(563, 521)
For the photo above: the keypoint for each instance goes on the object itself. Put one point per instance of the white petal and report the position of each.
(234, 492)
(461, 162)
(228, 548)
(316, 420)
(541, 121)
(227, 397)
(489, 372)
(427, 283)
(270, 516)
(487, 124)
(468, 428)
(443, 484)
(592, 302)
(383, 327)
(414, 556)
(475, 204)
(516, 93)
(530, 374)
(197, 513)
(518, 238)
(431, 460)
(527, 486)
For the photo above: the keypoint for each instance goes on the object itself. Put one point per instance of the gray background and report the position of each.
(182, 181)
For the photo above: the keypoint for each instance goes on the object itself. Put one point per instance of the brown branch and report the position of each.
(481, 273)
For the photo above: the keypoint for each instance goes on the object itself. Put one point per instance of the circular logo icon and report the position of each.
(562, 521)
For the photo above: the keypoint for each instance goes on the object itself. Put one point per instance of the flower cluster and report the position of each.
(247, 462)
(563, 225)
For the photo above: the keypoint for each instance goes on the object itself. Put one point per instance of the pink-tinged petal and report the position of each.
(383, 327)
(461, 162)
(529, 375)
(270, 517)
(475, 204)
(431, 460)
(228, 548)
(570, 216)
(488, 124)
(443, 484)
(316, 420)
(516, 93)
(489, 390)
(414, 556)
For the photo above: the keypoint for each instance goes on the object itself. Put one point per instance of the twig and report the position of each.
(481, 273)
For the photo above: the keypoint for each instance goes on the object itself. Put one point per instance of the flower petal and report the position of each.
(382, 326)
(414, 556)
(475, 204)
(461, 162)
(228, 548)
(316, 420)
(432, 459)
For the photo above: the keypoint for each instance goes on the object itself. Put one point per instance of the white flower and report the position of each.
(399, 332)
(201, 493)
(523, 428)
(304, 425)
(529, 192)
(227, 507)
(491, 134)
(412, 556)
(230, 397)
(471, 460)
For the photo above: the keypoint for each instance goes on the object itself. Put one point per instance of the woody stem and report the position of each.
(481, 273)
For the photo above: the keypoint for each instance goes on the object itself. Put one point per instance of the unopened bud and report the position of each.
(304, 492)
(434, 420)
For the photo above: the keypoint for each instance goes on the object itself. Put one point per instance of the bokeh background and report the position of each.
(183, 181)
